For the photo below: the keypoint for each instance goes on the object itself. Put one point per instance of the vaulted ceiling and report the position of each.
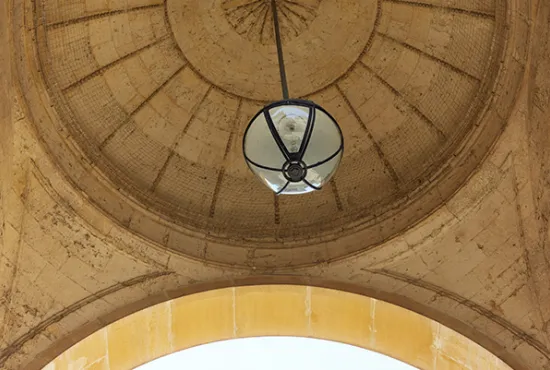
(123, 181)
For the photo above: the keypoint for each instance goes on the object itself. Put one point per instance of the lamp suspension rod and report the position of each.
(284, 85)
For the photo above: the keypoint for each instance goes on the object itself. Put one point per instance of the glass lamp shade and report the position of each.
(293, 146)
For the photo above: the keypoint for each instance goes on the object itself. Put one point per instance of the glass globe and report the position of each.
(293, 146)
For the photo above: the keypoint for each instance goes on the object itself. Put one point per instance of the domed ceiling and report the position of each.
(157, 94)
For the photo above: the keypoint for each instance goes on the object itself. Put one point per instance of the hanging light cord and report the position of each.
(284, 85)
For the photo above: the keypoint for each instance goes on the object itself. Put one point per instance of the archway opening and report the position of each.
(276, 311)
(276, 353)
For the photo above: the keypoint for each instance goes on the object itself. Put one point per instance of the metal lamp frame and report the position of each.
(294, 169)
(297, 156)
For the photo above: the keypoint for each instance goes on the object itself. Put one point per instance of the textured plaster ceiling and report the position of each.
(155, 97)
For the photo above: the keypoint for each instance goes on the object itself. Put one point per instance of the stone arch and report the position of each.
(276, 310)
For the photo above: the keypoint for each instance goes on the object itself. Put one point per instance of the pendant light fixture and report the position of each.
(294, 146)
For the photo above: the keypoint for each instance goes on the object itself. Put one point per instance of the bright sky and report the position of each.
(276, 353)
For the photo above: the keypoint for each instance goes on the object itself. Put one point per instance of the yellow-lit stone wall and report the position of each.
(79, 271)
(464, 267)
(280, 310)
(478, 264)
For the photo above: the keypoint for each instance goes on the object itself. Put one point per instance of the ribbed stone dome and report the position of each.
(155, 97)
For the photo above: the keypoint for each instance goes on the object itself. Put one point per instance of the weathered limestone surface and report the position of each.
(268, 310)
(150, 101)
(74, 257)
(539, 134)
